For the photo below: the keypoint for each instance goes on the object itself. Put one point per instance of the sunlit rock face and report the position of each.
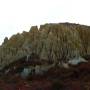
(51, 42)
(77, 60)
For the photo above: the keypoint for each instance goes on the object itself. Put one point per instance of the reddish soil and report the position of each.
(75, 78)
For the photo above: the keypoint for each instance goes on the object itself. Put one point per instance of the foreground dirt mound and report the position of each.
(74, 78)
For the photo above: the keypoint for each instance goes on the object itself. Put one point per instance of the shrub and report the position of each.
(57, 85)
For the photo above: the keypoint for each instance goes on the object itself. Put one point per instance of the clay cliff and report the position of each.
(54, 42)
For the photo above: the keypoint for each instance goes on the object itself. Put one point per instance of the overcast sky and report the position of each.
(19, 15)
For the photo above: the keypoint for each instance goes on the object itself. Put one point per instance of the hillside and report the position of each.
(55, 56)
(37, 75)
(53, 42)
